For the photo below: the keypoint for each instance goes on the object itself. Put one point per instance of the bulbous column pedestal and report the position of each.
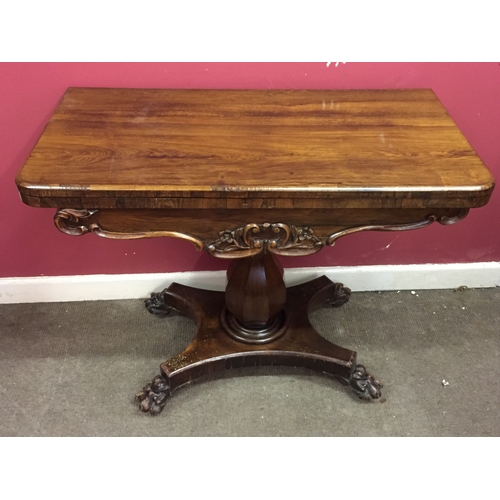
(255, 322)
(255, 299)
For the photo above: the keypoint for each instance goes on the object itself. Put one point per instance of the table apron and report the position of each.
(243, 233)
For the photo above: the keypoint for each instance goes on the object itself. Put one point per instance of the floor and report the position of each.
(72, 369)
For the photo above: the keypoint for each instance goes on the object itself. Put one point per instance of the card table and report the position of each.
(248, 176)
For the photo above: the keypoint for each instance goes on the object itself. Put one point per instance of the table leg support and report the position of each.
(215, 348)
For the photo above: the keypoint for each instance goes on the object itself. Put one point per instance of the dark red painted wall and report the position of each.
(31, 246)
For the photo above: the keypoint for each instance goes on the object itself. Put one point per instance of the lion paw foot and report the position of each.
(156, 305)
(364, 384)
(153, 397)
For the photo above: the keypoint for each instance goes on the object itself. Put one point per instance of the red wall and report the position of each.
(31, 246)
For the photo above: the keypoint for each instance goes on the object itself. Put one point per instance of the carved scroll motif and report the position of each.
(283, 239)
(78, 222)
(330, 241)
(453, 220)
(278, 238)
(75, 222)
(246, 241)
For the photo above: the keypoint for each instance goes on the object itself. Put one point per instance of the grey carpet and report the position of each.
(72, 369)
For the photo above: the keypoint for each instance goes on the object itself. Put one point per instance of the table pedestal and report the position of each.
(256, 322)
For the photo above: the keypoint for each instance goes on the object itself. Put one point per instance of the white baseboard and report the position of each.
(134, 286)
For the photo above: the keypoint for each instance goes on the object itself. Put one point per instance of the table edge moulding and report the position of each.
(249, 175)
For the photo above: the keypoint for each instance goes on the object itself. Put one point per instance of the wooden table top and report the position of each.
(149, 148)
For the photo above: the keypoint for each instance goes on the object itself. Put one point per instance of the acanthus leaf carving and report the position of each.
(278, 238)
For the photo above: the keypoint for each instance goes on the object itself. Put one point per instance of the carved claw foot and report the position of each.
(156, 305)
(153, 397)
(339, 296)
(363, 384)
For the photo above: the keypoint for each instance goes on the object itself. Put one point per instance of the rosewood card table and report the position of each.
(248, 176)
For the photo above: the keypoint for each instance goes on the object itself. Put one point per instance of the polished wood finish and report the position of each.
(255, 291)
(247, 175)
(258, 149)
(217, 228)
(212, 350)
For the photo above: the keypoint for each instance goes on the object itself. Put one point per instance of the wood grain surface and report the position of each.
(252, 149)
